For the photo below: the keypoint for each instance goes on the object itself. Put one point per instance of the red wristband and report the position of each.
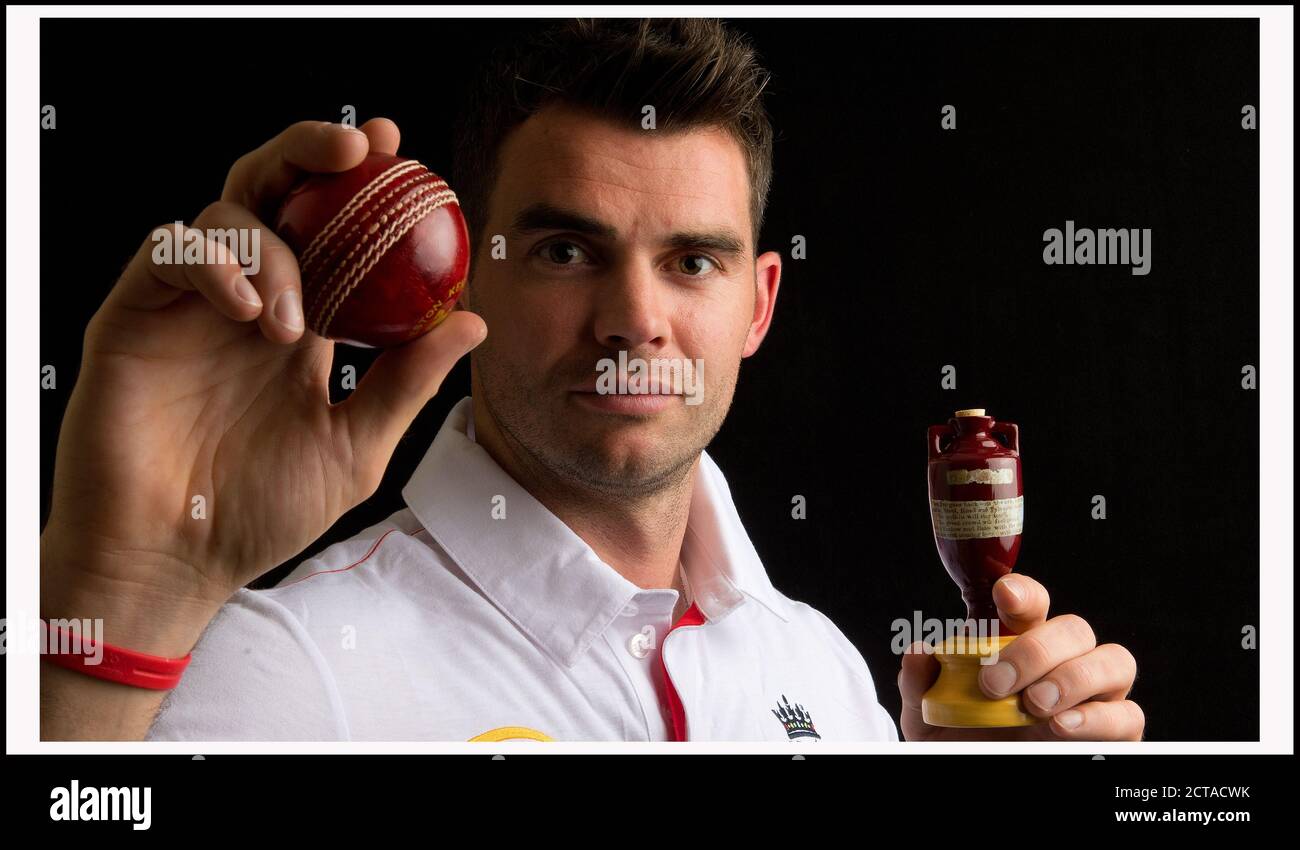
(115, 663)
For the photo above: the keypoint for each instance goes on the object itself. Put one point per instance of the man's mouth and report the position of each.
(633, 388)
(630, 403)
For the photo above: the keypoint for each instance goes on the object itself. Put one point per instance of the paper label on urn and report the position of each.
(977, 519)
(1001, 475)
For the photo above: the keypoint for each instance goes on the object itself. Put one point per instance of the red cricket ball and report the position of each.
(383, 249)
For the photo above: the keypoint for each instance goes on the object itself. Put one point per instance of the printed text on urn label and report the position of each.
(978, 519)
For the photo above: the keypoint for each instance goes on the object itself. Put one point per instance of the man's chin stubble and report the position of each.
(587, 469)
(591, 469)
(591, 472)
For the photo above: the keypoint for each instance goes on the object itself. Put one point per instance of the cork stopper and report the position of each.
(973, 411)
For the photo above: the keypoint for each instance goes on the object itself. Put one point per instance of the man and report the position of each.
(569, 564)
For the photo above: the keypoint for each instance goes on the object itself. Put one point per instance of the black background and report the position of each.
(924, 249)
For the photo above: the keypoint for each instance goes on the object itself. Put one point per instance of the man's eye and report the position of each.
(690, 264)
(561, 253)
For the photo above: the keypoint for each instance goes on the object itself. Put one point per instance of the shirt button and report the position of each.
(642, 642)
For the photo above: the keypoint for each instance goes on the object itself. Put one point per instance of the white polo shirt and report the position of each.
(475, 613)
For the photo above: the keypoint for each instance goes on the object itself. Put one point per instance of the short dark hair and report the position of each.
(694, 71)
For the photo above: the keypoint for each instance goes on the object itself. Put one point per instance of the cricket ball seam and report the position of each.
(328, 250)
(325, 292)
(360, 198)
(378, 249)
(325, 247)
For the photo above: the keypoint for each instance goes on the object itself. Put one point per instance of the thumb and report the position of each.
(398, 385)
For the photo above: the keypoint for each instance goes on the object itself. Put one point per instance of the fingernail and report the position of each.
(246, 292)
(1070, 719)
(999, 678)
(1016, 590)
(479, 336)
(1044, 694)
(288, 310)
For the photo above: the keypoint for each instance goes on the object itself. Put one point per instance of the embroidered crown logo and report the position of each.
(796, 720)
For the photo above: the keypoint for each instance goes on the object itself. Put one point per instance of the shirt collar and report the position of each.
(540, 573)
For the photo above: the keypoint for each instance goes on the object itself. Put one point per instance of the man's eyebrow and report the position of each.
(721, 242)
(543, 216)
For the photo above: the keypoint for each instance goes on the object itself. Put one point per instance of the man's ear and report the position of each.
(767, 280)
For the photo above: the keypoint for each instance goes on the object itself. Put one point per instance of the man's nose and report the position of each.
(631, 311)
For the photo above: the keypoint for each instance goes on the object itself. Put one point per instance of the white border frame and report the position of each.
(1276, 626)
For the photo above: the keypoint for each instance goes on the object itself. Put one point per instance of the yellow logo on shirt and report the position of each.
(512, 733)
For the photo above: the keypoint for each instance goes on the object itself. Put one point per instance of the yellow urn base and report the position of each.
(956, 701)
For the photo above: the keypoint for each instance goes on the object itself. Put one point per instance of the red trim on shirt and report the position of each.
(693, 617)
(348, 567)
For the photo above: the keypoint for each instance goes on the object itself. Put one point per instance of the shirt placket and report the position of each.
(676, 709)
(635, 637)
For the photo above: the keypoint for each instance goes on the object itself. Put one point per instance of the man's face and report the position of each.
(616, 240)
